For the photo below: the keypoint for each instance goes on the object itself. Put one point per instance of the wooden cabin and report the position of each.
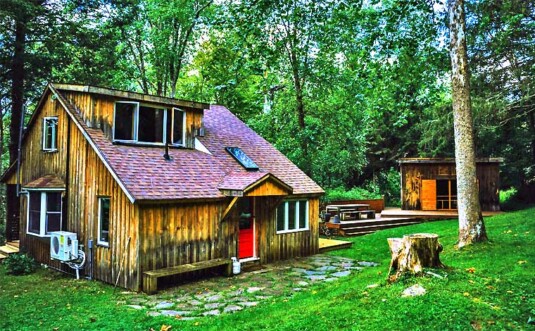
(430, 183)
(149, 183)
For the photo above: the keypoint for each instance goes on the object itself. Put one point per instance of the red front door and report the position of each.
(246, 237)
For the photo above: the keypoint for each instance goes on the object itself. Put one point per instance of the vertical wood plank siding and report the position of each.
(161, 235)
(184, 233)
(97, 111)
(412, 176)
(86, 179)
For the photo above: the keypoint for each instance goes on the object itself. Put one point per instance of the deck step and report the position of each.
(2, 256)
(372, 228)
(15, 244)
(362, 227)
(6, 250)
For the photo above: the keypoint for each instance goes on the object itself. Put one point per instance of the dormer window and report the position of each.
(135, 123)
(50, 129)
(178, 135)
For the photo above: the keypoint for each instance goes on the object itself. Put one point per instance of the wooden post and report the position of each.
(412, 253)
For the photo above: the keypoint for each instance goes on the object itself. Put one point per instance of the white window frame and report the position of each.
(135, 136)
(183, 126)
(54, 146)
(43, 212)
(135, 120)
(101, 242)
(298, 206)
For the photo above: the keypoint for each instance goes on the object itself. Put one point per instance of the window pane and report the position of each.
(104, 219)
(150, 125)
(124, 121)
(291, 215)
(280, 217)
(34, 223)
(50, 126)
(302, 214)
(53, 202)
(178, 127)
(53, 221)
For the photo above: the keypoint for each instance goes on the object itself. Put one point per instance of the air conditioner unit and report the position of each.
(63, 246)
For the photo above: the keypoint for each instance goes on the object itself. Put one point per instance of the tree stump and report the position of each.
(412, 253)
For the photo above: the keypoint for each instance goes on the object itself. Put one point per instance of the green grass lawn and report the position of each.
(486, 287)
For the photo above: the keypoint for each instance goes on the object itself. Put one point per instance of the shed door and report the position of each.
(428, 196)
(246, 237)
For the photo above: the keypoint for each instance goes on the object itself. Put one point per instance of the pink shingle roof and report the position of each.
(47, 181)
(191, 174)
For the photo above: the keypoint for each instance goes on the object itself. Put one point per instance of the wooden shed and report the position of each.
(430, 183)
(150, 183)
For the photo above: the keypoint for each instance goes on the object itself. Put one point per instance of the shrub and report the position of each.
(2, 233)
(19, 264)
(508, 199)
(355, 193)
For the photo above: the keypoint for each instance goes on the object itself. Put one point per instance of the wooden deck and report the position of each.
(331, 244)
(424, 214)
(391, 218)
(11, 247)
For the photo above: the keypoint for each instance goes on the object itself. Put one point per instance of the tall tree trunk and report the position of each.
(471, 225)
(17, 87)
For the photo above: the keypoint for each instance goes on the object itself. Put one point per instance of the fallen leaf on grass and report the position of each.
(471, 270)
(166, 327)
(475, 325)
(466, 294)
(522, 262)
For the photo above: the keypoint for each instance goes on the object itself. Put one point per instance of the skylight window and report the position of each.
(242, 158)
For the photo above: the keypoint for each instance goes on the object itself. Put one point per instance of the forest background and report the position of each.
(343, 88)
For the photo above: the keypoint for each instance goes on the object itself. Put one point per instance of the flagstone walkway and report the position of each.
(219, 295)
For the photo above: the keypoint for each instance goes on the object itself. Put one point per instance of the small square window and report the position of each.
(44, 212)
(50, 125)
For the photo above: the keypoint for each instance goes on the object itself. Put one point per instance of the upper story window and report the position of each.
(50, 129)
(178, 135)
(143, 124)
(44, 212)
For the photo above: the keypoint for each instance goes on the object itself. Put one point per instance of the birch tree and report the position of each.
(471, 225)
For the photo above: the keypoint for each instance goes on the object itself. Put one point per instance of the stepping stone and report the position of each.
(195, 303)
(297, 289)
(367, 264)
(312, 272)
(254, 289)
(327, 268)
(413, 291)
(154, 313)
(249, 303)
(302, 283)
(164, 305)
(341, 274)
(213, 305)
(213, 298)
(331, 279)
(232, 309)
(138, 300)
(135, 307)
(174, 313)
(317, 277)
(235, 293)
(299, 270)
(214, 312)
